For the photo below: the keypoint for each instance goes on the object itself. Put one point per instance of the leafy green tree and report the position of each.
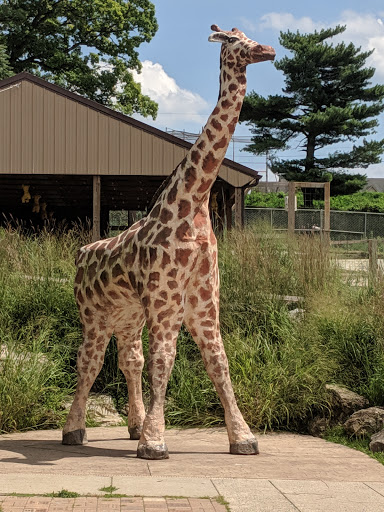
(328, 98)
(5, 68)
(86, 46)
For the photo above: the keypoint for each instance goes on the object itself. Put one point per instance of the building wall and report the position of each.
(44, 132)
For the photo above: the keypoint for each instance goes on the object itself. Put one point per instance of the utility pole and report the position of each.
(266, 170)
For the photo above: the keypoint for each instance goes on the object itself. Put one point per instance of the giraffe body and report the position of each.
(163, 272)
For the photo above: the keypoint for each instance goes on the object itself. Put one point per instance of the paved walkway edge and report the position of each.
(20, 483)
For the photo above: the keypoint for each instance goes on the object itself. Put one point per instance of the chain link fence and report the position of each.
(344, 225)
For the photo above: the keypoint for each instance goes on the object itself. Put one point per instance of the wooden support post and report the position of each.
(291, 207)
(372, 254)
(239, 207)
(327, 212)
(228, 210)
(96, 208)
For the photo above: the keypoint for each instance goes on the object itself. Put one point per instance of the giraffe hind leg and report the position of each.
(90, 359)
(131, 362)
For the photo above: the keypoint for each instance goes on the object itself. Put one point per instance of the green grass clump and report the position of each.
(63, 494)
(279, 363)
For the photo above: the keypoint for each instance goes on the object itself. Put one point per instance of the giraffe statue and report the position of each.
(163, 272)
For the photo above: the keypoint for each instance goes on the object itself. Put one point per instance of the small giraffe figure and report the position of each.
(36, 204)
(163, 272)
(26, 195)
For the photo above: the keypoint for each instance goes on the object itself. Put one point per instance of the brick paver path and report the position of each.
(93, 504)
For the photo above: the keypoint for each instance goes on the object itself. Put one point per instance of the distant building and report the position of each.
(374, 185)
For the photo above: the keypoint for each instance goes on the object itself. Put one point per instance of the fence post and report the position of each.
(291, 207)
(239, 207)
(365, 225)
(372, 254)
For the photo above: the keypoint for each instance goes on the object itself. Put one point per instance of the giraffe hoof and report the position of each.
(248, 447)
(135, 432)
(76, 437)
(152, 451)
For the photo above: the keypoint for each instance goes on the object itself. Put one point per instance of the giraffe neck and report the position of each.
(201, 166)
(195, 175)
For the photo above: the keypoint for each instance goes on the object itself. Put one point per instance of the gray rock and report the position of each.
(101, 410)
(367, 421)
(377, 442)
(344, 402)
(318, 425)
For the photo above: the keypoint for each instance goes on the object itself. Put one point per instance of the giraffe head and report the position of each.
(237, 48)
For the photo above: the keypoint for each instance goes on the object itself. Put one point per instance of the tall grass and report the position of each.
(279, 363)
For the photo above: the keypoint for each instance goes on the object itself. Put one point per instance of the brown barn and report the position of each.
(79, 160)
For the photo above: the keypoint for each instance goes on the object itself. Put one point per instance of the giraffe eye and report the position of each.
(232, 39)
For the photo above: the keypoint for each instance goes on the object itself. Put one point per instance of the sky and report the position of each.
(181, 68)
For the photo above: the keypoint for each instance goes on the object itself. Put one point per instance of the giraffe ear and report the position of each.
(218, 37)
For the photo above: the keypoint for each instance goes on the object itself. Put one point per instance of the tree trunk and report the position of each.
(310, 157)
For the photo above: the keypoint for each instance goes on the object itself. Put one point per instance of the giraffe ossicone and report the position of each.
(163, 272)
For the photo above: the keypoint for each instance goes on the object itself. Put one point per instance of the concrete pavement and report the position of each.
(292, 473)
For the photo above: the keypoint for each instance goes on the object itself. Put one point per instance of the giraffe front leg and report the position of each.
(90, 359)
(161, 357)
(131, 362)
(205, 330)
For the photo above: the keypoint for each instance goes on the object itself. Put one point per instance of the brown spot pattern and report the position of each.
(209, 162)
(165, 216)
(226, 104)
(165, 261)
(162, 236)
(117, 271)
(204, 267)
(204, 293)
(183, 231)
(112, 243)
(184, 208)
(190, 178)
(220, 144)
(79, 275)
(131, 256)
(145, 230)
(171, 198)
(182, 256)
(195, 157)
(164, 314)
(152, 255)
(217, 126)
(205, 184)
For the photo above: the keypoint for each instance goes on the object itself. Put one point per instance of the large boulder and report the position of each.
(344, 402)
(377, 442)
(365, 422)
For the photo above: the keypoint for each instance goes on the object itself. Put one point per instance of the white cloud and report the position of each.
(286, 21)
(178, 108)
(365, 30)
(247, 24)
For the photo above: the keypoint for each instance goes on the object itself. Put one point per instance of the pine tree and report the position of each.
(328, 99)
(5, 68)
